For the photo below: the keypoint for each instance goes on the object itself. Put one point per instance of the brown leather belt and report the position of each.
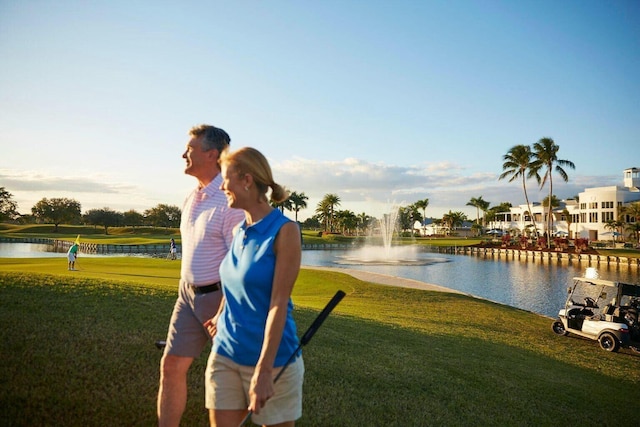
(206, 288)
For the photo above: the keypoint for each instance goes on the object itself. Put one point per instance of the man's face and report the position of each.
(198, 160)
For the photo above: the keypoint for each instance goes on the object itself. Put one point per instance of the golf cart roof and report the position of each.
(595, 281)
(602, 282)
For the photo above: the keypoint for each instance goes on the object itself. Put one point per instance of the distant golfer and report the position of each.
(72, 254)
(173, 249)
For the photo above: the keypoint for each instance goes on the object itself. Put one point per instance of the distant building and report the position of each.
(587, 216)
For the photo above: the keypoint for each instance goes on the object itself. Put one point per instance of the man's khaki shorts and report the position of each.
(227, 388)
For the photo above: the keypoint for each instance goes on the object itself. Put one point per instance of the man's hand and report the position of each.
(210, 326)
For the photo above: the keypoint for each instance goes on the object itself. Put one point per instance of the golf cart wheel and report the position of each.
(608, 342)
(558, 328)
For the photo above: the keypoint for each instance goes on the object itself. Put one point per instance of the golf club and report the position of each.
(307, 337)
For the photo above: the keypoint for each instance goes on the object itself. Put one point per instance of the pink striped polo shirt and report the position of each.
(206, 227)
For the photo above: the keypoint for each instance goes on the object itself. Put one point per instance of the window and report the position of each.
(607, 205)
(593, 205)
(583, 217)
(593, 216)
(575, 218)
(583, 206)
(607, 216)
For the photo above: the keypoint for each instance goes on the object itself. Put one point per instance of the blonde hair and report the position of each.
(251, 161)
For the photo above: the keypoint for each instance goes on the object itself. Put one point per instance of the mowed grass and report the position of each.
(77, 350)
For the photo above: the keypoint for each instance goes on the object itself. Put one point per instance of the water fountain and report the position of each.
(388, 254)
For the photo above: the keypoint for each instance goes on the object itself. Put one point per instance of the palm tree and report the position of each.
(545, 154)
(453, 219)
(554, 204)
(347, 221)
(327, 206)
(285, 204)
(323, 210)
(363, 222)
(630, 215)
(613, 225)
(517, 163)
(481, 205)
(299, 201)
(567, 217)
(423, 204)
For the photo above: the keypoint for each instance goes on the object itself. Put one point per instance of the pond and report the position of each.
(537, 286)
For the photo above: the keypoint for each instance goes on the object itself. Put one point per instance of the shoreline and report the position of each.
(383, 279)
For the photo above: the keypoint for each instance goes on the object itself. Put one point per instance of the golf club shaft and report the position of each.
(307, 337)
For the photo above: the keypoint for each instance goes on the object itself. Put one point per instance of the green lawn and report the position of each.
(77, 350)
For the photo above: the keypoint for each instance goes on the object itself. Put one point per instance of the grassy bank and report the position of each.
(77, 350)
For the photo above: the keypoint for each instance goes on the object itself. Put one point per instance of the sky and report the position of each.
(379, 102)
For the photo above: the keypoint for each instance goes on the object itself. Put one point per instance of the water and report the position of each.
(42, 250)
(537, 286)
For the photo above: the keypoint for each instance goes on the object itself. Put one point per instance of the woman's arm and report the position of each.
(288, 256)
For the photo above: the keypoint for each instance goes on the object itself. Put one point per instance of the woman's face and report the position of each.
(233, 186)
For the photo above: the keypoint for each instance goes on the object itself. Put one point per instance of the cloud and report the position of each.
(38, 182)
(361, 186)
(372, 187)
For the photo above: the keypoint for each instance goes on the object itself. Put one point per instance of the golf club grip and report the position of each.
(321, 317)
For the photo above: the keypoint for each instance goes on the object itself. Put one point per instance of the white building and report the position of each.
(588, 215)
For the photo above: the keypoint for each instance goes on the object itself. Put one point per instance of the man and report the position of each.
(206, 228)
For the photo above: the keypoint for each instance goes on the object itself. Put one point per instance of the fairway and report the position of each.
(78, 350)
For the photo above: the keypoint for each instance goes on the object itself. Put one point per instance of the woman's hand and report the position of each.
(260, 390)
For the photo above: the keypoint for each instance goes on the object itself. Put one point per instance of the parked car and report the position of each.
(602, 310)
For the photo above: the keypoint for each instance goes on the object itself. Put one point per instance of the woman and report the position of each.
(254, 331)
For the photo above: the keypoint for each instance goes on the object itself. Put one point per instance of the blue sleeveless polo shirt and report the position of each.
(247, 273)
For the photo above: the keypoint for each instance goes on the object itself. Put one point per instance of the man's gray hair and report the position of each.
(213, 137)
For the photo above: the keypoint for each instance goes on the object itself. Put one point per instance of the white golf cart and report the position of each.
(602, 310)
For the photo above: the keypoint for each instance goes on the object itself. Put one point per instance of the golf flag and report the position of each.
(77, 242)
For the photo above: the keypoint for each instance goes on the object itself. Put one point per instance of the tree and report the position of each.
(347, 221)
(423, 204)
(163, 215)
(517, 163)
(299, 201)
(452, 220)
(613, 225)
(481, 205)
(567, 217)
(545, 153)
(490, 214)
(57, 211)
(630, 215)
(326, 207)
(312, 223)
(554, 204)
(364, 221)
(132, 218)
(105, 217)
(407, 216)
(285, 204)
(8, 208)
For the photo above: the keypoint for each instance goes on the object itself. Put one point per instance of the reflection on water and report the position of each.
(41, 250)
(538, 286)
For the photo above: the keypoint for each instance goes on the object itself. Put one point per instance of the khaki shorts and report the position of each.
(227, 388)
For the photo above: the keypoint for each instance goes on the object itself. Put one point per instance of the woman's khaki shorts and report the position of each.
(227, 388)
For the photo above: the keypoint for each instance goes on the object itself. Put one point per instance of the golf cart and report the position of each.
(602, 310)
